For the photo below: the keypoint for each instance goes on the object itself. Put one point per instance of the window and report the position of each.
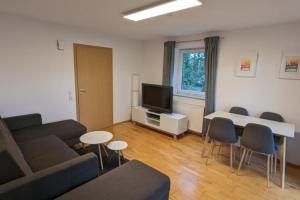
(190, 79)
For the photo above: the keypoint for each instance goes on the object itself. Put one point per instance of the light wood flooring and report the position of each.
(191, 178)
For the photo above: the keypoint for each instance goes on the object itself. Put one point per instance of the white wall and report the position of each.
(193, 109)
(152, 61)
(36, 77)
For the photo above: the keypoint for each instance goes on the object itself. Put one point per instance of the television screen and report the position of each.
(158, 98)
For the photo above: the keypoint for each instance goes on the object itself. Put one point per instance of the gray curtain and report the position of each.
(168, 65)
(211, 62)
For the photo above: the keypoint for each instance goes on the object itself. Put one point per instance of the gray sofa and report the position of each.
(36, 162)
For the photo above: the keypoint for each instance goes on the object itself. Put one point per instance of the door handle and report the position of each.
(82, 91)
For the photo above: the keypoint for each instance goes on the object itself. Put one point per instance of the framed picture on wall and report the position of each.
(290, 66)
(246, 64)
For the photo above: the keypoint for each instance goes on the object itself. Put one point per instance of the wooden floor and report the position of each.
(191, 178)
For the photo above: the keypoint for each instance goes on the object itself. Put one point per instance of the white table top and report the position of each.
(96, 137)
(278, 128)
(117, 145)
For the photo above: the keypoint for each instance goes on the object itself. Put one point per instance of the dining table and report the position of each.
(282, 129)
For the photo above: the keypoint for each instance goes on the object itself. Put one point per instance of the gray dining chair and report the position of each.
(239, 111)
(278, 118)
(238, 129)
(259, 139)
(272, 116)
(222, 130)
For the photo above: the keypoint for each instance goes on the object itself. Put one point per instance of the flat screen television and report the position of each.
(157, 98)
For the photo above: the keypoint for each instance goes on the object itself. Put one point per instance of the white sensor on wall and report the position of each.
(60, 45)
(162, 8)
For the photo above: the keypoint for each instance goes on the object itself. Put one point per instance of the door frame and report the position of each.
(76, 77)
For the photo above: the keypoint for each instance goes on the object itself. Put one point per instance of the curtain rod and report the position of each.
(199, 40)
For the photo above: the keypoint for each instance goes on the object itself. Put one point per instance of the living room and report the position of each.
(42, 82)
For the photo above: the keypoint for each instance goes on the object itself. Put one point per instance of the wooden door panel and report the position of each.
(94, 86)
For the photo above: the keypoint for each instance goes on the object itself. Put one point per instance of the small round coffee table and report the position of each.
(118, 146)
(99, 138)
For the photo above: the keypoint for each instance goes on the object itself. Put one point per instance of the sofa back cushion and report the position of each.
(23, 121)
(13, 164)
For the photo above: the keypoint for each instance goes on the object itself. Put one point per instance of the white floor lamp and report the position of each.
(135, 90)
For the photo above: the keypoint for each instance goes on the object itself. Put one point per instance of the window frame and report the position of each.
(177, 89)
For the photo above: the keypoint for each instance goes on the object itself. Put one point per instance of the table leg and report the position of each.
(119, 156)
(104, 148)
(205, 142)
(231, 156)
(283, 161)
(100, 156)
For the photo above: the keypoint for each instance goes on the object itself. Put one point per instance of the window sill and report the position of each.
(189, 96)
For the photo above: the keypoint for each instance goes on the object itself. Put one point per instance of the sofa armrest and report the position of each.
(23, 121)
(53, 181)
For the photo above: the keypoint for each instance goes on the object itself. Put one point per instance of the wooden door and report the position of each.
(94, 86)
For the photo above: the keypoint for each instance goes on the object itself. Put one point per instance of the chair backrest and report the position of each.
(258, 138)
(222, 129)
(272, 116)
(239, 110)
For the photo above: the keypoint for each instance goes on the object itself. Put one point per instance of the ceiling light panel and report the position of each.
(162, 9)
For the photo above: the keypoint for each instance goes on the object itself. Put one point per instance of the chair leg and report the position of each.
(220, 148)
(271, 163)
(246, 155)
(211, 152)
(275, 163)
(231, 156)
(213, 148)
(250, 156)
(234, 159)
(268, 171)
(241, 161)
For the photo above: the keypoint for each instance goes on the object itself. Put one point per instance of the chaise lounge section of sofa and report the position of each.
(132, 181)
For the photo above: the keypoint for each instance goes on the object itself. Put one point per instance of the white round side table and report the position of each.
(118, 146)
(99, 138)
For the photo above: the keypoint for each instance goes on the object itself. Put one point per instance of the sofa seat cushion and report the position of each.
(132, 181)
(45, 152)
(65, 130)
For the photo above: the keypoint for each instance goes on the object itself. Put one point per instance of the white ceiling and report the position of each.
(105, 15)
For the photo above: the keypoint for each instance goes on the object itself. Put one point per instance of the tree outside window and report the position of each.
(193, 71)
(190, 80)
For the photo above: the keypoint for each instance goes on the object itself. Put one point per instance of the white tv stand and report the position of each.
(174, 124)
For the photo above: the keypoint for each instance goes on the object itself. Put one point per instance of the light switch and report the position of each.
(60, 45)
